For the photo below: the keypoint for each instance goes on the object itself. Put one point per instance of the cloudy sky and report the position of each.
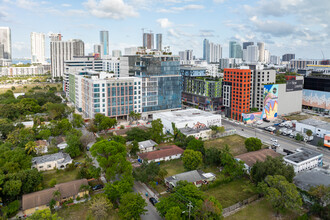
(286, 26)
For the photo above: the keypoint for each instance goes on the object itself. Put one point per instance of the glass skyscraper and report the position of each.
(104, 41)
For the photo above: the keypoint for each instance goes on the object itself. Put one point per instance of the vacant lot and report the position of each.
(231, 193)
(61, 176)
(235, 142)
(260, 210)
(173, 167)
(20, 88)
(80, 211)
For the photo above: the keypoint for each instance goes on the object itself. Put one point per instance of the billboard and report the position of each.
(294, 85)
(317, 99)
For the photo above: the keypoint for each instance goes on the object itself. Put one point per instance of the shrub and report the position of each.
(122, 127)
(52, 182)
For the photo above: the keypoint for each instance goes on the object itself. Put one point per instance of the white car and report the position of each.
(273, 140)
(276, 145)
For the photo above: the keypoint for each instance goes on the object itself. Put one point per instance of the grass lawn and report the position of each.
(297, 117)
(173, 167)
(80, 211)
(20, 88)
(61, 176)
(235, 142)
(230, 193)
(260, 210)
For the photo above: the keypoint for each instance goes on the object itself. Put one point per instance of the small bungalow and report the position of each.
(197, 177)
(48, 162)
(42, 146)
(163, 154)
(147, 146)
(61, 142)
(251, 158)
(40, 200)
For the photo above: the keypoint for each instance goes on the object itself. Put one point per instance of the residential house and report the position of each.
(147, 146)
(51, 161)
(251, 158)
(197, 177)
(40, 200)
(61, 142)
(163, 154)
(42, 146)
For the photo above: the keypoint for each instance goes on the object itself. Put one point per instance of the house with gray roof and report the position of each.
(147, 146)
(197, 177)
(48, 162)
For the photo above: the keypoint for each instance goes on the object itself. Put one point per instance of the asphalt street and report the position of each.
(285, 142)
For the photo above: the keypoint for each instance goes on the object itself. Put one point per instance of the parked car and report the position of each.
(153, 201)
(273, 140)
(276, 145)
(281, 130)
(287, 132)
(294, 134)
(272, 129)
(98, 187)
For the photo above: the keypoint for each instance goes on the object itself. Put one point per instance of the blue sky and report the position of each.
(286, 26)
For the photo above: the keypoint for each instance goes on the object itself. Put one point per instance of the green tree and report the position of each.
(231, 167)
(74, 145)
(157, 131)
(61, 127)
(212, 156)
(299, 137)
(20, 137)
(174, 213)
(131, 206)
(52, 182)
(44, 134)
(31, 146)
(77, 121)
(134, 116)
(253, 144)
(211, 209)
(44, 214)
(281, 194)
(57, 195)
(100, 207)
(5, 128)
(321, 193)
(112, 158)
(56, 110)
(271, 166)
(102, 122)
(309, 133)
(137, 134)
(134, 148)
(146, 172)
(12, 208)
(12, 188)
(196, 145)
(118, 138)
(117, 189)
(192, 159)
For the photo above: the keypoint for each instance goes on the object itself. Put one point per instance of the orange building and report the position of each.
(236, 92)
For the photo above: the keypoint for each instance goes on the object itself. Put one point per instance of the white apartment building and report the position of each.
(101, 92)
(259, 78)
(22, 71)
(304, 159)
(61, 51)
(116, 53)
(38, 48)
(276, 60)
(5, 40)
(261, 48)
(252, 54)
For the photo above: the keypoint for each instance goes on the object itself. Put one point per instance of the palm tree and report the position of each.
(31, 147)
(57, 195)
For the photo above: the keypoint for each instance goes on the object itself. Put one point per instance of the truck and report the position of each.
(308, 138)
(282, 130)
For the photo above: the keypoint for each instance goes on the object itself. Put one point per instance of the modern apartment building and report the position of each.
(159, 42)
(100, 92)
(161, 81)
(235, 50)
(260, 77)
(116, 53)
(252, 54)
(104, 41)
(302, 64)
(5, 40)
(287, 57)
(200, 90)
(186, 56)
(261, 48)
(211, 52)
(61, 51)
(148, 40)
(38, 48)
(22, 71)
(236, 92)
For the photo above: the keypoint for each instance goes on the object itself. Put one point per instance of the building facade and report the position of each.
(61, 51)
(261, 48)
(38, 48)
(304, 159)
(104, 41)
(236, 92)
(22, 71)
(235, 50)
(100, 92)
(288, 56)
(201, 90)
(211, 52)
(148, 40)
(159, 42)
(252, 54)
(5, 40)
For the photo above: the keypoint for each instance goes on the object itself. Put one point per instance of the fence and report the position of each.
(226, 133)
(226, 211)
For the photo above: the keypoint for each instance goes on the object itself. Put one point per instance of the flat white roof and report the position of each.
(186, 115)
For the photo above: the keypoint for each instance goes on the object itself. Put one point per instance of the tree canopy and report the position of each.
(192, 159)
(253, 144)
(131, 206)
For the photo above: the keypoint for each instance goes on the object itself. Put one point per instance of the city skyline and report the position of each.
(184, 24)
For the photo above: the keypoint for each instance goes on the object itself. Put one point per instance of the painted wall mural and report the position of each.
(317, 99)
(270, 102)
(252, 117)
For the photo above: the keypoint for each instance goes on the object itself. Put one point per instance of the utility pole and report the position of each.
(189, 208)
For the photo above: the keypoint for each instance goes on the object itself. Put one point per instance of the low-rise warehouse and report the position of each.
(318, 127)
(304, 159)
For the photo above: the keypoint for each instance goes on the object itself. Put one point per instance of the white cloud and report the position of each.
(219, 1)
(27, 4)
(65, 5)
(164, 22)
(113, 9)
(182, 8)
(273, 27)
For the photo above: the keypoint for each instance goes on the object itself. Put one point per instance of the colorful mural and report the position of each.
(270, 102)
(252, 117)
(317, 99)
(199, 125)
